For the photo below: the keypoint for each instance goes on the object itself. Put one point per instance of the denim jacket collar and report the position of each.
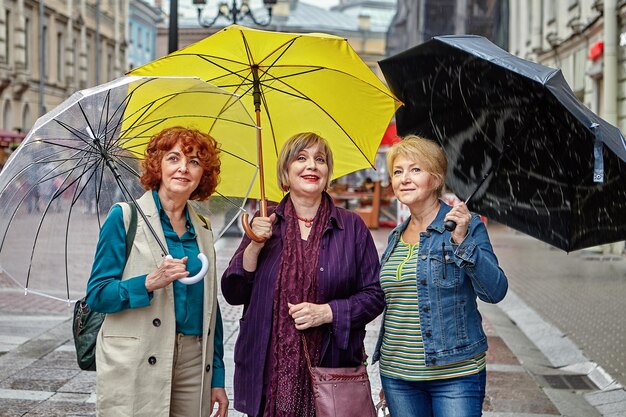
(437, 224)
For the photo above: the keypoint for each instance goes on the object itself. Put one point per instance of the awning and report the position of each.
(391, 135)
(8, 138)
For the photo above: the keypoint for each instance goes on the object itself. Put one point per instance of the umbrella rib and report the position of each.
(104, 115)
(43, 216)
(126, 166)
(87, 151)
(113, 123)
(22, 200)
(45, 179)
(238, 157)
(42, 160)
(78, 134)
(98, 190)
(143, 111)
(321, 109)
(67, 227)
(245, 69)
(90, 130)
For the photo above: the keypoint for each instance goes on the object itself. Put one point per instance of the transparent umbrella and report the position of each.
(84, 156)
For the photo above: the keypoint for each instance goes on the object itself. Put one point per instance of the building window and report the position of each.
(550, 11)
(6, 116)
(45, 51)
(529, 23)
(60, 49)
(8, 38)
(75, 58)
(109, 66)
(139, 36)
(26, 119)
(27, 40)
(91, 59)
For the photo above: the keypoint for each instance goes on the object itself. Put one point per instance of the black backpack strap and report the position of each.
(204, 221)
(132, 229)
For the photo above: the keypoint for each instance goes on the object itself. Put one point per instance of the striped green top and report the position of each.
(402, 351)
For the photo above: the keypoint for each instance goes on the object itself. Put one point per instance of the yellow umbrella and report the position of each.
(294, 83)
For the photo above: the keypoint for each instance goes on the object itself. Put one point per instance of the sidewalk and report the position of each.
(39, 375)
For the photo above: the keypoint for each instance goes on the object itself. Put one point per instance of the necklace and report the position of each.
(307, 222)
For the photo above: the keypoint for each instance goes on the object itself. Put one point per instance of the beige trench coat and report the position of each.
(135, 347)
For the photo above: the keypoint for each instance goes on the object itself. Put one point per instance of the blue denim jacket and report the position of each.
(449, 278)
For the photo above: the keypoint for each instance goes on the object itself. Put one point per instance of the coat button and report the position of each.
(428, 334)
(156, 322)
(322, 269)
(426, 309)
(424, 282)
(433, 361)
(427, 234)
(151, 360)
(423, 257)
(208, 368)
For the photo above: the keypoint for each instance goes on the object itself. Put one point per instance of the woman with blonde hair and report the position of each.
(432, 345)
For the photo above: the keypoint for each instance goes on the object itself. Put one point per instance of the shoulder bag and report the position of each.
(340, 392)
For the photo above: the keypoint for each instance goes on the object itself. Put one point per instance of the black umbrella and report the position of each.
(519, 143)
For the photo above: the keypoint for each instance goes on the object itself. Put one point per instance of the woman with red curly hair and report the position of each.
(160, 349)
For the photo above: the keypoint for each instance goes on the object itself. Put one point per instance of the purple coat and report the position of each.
(348, 280)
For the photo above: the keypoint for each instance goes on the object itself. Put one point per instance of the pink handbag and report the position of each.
(340, 392)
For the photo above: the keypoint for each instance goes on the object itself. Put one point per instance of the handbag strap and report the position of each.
(308, 358)
(306, 352)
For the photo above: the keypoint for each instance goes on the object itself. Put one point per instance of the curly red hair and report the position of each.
(208, 154)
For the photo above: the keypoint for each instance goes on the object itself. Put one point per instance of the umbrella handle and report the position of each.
(246, 224)
(246, 228)
(449, 225)
(205, 267)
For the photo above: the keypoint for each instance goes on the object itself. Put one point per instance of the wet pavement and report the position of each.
(556, 341)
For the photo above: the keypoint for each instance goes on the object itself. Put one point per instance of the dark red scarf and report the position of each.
(289, 390)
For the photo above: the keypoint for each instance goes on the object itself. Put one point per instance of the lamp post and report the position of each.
(172, 44)
(234, 13)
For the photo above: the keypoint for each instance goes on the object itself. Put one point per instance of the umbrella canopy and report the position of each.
(294, 83)
(558, 169)
(83, 156)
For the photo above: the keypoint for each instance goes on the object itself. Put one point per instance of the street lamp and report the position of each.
(233, 12)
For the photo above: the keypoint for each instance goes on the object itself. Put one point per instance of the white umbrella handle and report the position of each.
(205, 267)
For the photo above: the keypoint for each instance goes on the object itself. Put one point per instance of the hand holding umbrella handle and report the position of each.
(451, 225)
(246, 228)
(246, 224)
(205, 267)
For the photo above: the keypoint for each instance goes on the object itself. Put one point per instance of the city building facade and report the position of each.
(50, 49)
(361, 23)
(143, 19)
(586, 40)
(417, 21)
